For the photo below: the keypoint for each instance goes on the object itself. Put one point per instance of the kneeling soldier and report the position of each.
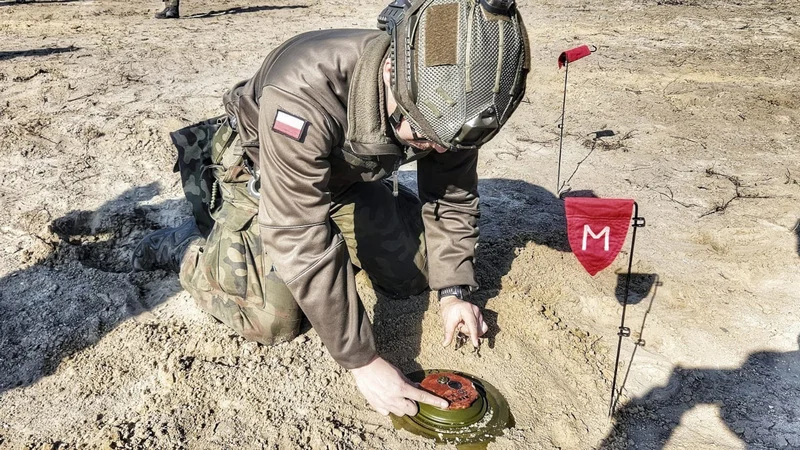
(296, 185)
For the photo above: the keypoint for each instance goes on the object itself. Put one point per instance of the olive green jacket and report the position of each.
(330, 83)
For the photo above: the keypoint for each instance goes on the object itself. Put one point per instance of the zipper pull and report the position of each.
(394, 178)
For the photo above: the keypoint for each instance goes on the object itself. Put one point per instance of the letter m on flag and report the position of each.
(587, 231)
(596, 228)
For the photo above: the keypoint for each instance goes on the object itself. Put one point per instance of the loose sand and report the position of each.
(697, 102)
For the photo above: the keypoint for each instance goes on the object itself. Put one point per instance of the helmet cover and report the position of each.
(459, 68)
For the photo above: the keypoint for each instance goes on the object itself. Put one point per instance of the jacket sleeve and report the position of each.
(296, 230)
(448, 188)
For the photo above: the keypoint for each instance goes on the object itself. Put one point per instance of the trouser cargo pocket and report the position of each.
(230, 276)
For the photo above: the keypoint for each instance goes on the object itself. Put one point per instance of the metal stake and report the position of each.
(636, 222)
(561, 127)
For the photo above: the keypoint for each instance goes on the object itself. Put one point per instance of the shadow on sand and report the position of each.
(241, 10)
(759, 402)
(5, 55)
(79, 290)
(640, 286)
(21, 2)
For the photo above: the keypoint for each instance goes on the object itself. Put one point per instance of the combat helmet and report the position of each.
(458, 67)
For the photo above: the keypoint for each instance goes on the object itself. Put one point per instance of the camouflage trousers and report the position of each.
(229, 274)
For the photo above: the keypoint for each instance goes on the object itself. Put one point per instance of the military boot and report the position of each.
(164, 249)
(170, 10)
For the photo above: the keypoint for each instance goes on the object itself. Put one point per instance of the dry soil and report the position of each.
(690, 107)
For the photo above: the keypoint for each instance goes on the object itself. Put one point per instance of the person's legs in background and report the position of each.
(170, 10)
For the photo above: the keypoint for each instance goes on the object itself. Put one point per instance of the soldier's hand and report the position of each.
(389, 391)
(463, 316)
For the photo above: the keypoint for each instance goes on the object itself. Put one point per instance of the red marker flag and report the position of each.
(596, 228)
(573, 55)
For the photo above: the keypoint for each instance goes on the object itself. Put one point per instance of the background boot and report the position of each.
(164, 249)
(170, 11)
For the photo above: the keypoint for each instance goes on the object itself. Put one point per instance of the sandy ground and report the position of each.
(698, 103)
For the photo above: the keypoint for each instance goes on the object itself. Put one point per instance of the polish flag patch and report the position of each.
(290, 125)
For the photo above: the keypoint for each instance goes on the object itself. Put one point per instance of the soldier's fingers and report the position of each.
(482, 327)
(403, 407)
(424, 397)
(472, 328)
(448, 335)
(382, 411)
(410, 408)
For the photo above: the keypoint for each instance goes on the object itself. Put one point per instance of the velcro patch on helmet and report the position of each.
(441, 41)
(290, 125)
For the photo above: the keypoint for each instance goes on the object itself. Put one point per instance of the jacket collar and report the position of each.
(366, 116)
